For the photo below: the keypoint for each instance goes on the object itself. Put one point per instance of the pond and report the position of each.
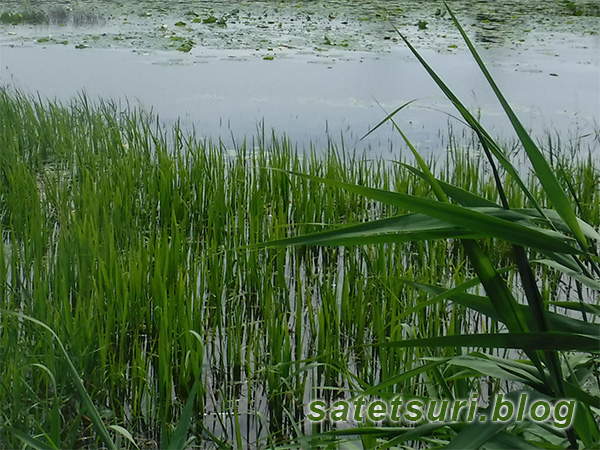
(139, 258)
(316, 72)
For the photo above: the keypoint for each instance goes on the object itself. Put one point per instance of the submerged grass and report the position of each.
(137, 247)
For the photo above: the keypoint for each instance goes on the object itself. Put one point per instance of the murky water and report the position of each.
(329, 67)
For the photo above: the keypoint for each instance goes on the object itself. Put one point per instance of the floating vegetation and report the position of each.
(222, 21)
(26, 17)
(301, 25)
(186, 46)
(578, 8)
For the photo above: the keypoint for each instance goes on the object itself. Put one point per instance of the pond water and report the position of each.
(314, 71)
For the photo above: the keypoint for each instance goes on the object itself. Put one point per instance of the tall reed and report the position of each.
(531, 223)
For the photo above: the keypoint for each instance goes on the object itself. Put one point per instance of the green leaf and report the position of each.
(578, 306)
(380, 388)
(498, 368)
(504, 440)
(483, 305)
(408, 227)
(527, 341)
(418, 432)
(462, 196)
(483, 223)
(179, 438)
(474, 435)
(93, 413)
(552, 188)
(498, 292)
(123, 432)
(590, 282)
(28, 440)
(558, 222)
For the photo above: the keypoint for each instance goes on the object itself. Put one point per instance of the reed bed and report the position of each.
(138, 245)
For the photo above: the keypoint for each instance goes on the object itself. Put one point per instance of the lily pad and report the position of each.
(186, 47)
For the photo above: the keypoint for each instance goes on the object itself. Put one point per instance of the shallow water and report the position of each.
(548, 68)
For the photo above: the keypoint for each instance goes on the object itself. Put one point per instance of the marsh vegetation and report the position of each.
(159, 290)
(136, 245)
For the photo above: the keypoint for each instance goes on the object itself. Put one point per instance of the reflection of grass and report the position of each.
(25, 17)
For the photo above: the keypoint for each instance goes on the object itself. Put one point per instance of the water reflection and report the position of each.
(316, 99)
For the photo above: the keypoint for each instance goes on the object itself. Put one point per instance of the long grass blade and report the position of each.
(28, 440)
(179, 438)
(530, 341)
(553, 190)
(468, 218)
(85, 398)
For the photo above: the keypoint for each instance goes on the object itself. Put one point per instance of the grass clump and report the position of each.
(134, 244)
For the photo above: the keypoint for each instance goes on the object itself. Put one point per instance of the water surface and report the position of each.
(330, 70)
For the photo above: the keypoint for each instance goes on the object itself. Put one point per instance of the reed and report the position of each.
(140, 308)
(530, 222)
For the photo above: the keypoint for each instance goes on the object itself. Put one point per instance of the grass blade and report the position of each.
(85, 398)
(179, 438)
(470, 219)
(553, 190)
(530, 341)
(28, 440)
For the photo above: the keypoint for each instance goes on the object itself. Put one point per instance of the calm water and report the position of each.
(310, 92)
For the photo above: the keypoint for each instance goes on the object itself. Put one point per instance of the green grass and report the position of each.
(134, 244)
(140, 248)
(552, 348)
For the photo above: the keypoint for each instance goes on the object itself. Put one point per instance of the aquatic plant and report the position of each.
(24, 17)
(557, 354)
(581, 8)
(133, 250)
